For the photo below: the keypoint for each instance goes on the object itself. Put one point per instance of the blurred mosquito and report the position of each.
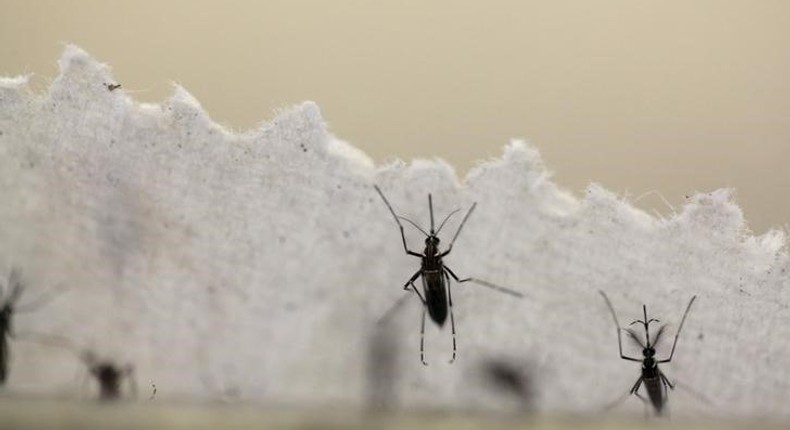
(437, 296)
(9, 296)
(512, 378)
(110, 376)
(655, 381)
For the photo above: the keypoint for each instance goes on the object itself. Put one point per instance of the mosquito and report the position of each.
(655, 381)
(110, 376)
(512, 378)
(9, 297)
(437, 297)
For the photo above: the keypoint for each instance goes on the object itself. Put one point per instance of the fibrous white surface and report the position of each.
(257, 263)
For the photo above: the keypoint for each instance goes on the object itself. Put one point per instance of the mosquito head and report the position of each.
(649, 352)
(432, 245)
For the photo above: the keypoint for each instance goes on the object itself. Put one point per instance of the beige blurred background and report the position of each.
(668, 96)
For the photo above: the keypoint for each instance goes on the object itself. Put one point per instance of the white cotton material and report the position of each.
(258, 264)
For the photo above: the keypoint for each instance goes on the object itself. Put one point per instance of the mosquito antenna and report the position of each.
(446, 219)
(634, 337)
(463, 221)
(430, 209)
(492, 286)
(414, 224)
(680, 327)
(658, 335)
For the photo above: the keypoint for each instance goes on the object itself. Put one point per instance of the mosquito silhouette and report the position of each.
(655, 381)
(9, 297)
(109, 376)
(437, 296)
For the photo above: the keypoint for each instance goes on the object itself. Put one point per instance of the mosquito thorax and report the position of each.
(431, 245)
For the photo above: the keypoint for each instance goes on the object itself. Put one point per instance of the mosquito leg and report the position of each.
(410, 283)
(680, 327)
(617, 326)
(636, 386)
(417, 292)
(400, 226)
(452, 318)
(646, 404)
(484, 284)
(666, 380)
(409, 286)
(699, 396)
(422, 338)
(387, 315)
(457, 232)
(616, 402)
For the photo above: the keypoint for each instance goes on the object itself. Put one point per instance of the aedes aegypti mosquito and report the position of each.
(437, 297)
(9, 307)
(656, 383)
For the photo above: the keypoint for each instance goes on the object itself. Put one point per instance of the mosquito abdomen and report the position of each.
(437, 305)
(655, 391)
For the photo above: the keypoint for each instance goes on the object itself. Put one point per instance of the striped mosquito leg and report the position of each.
(452, 318)
(422, 338)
